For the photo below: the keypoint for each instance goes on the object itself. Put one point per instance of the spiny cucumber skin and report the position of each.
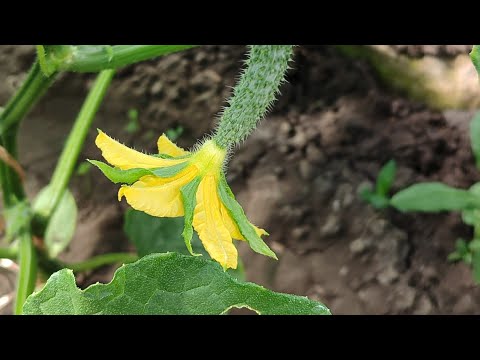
(254, 94)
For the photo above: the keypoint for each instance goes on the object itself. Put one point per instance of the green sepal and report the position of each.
(238, 215)
(130, 176)
(189, 192)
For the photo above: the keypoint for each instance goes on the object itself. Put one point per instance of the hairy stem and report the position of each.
(73, 146)
(254, 93)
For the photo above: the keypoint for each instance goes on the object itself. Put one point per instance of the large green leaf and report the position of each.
(475, 137)
(433, 197)
(165, 284)
(152, 234)
(385, 178)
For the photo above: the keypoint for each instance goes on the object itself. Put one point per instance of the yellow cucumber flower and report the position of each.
(181, 183)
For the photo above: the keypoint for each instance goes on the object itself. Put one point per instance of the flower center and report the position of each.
(209, 158)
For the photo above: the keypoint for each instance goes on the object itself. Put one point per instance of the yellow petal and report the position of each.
(165, 146)
(233, 228)
(158, 196)
(207, 221)
(125, 158)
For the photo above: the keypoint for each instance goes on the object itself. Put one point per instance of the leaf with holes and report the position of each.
(165, 284)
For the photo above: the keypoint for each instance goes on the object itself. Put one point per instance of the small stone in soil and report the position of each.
(331, 227)
(305, 169)
(300, 233)
(388, 275)
(424, 306)
(343, 271)
(465, 305)
(314, 154)
(360, 245)
(404, 298)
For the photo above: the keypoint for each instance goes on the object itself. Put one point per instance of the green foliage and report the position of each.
(475, 56)
(129, 176)
(238, 215)
(189, 201)
(469, 253)
(379, 198)
(475, 137)
(434, 197)
(165, 284)
(152, 234)
(17, 219)
(168, 283)
(61, 226)
(174, 133)
(133, 125)
(385, 178)
(83, 168)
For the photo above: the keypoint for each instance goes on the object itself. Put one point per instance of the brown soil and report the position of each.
(297, 176)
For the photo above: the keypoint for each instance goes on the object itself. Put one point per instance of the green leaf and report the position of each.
(61, 227)
(152, 234)
(238, 215)
(165, 284)
(433, 197)
(385, 178)
(475, 137)
(189, 192)
(475, 56)
(83, 168)
(133, 125)
(118, 176)
(174, 133)
(471, 217)
(17, 219)
(377, 201)
(476, 266)
(461, 250)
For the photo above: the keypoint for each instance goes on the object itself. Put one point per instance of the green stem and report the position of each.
(73, 146)
(94, 58)
(28, 271)
(29, 93)
(254, 93)
(16, 109)
(101, 260)
(8, 253)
